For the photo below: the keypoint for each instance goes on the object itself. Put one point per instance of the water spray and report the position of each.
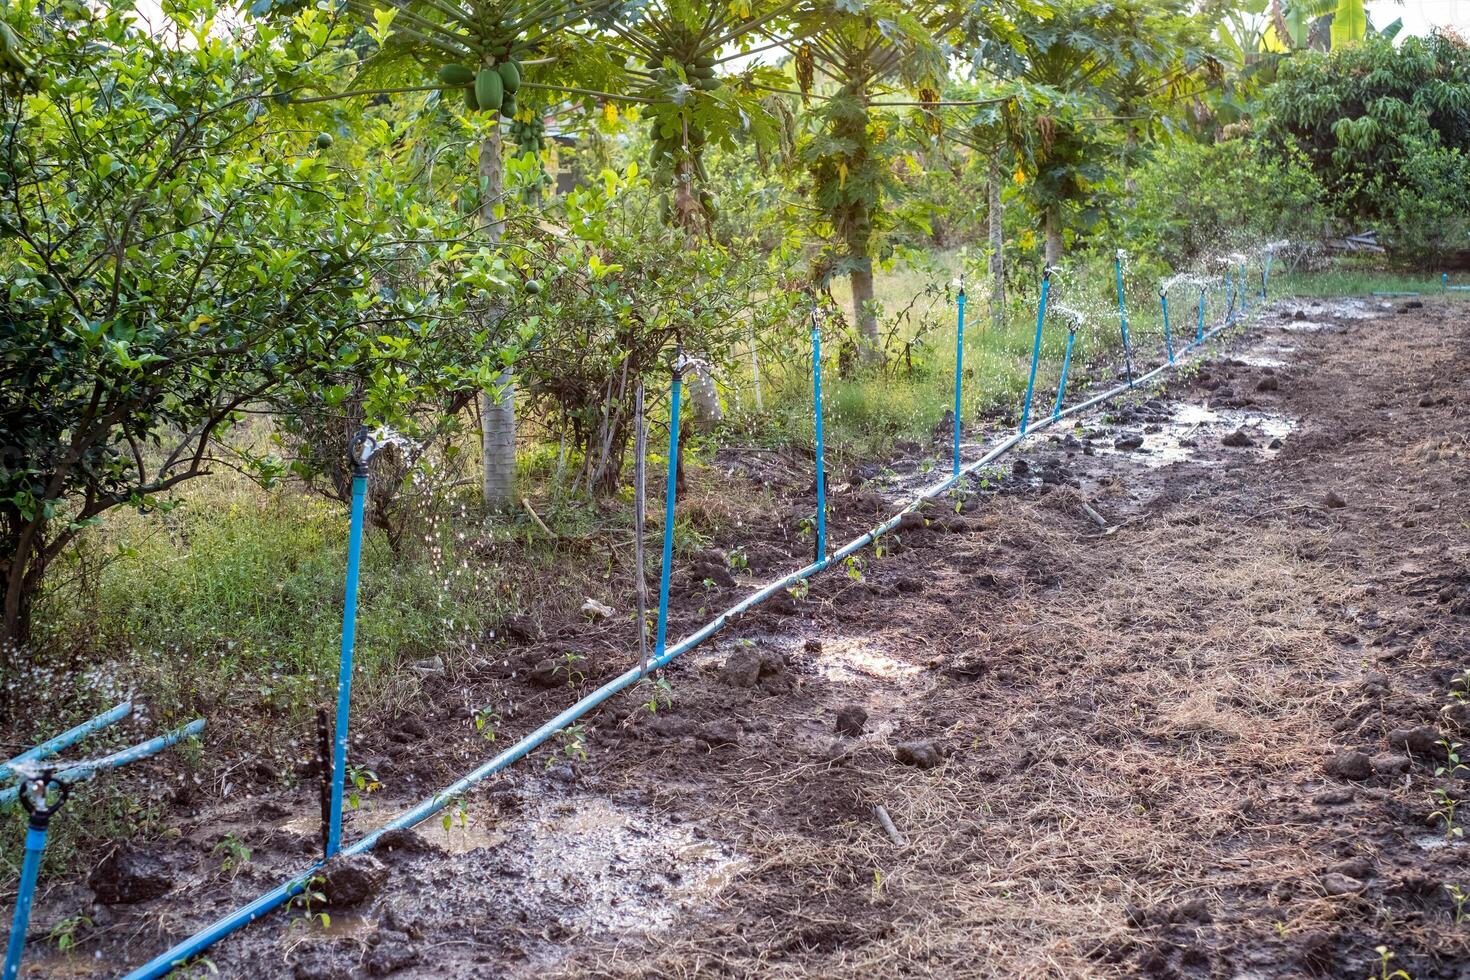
(1075, 321)
(1123, 316)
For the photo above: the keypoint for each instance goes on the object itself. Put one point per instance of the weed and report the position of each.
(854, 566)
(800, 589)
(738, 560)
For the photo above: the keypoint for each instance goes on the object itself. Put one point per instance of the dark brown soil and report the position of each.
(1200, 740)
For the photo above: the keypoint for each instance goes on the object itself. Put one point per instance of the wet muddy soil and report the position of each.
(1165, 694)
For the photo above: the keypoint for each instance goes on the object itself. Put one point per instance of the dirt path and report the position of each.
(1113, 753)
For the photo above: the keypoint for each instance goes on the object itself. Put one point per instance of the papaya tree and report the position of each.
(1108, 71)
(674, 51)
(846, 59)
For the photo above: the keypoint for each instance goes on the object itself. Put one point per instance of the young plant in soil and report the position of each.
(233, 855)
(571, 745)
(486, 723)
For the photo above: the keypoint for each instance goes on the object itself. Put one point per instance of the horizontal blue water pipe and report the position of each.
(185, 950)
(1390, 294)
(68, 738)
(83, 771)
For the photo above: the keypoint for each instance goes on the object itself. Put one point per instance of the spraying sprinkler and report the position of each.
(1168, 335)
(1123, 316)
(1074, 323)
(35, 795)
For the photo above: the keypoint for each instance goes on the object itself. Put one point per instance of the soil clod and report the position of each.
(851, 720)
(920, 754)
(1348, 765)
(1237, 439)
(349, 880)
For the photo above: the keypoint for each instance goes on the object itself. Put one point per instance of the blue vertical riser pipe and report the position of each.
(361, 451)
(1123, 318)
(1244, 293)
(34, 796)
(1056, 411)
(670, 493)
(959, 373)
(821, 542)
(1199, 334)
(1036, 348)
(1168, 335)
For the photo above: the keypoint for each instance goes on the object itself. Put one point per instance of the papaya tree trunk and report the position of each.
(997, 245)
(497, 407)
(1053, 234)
(862, 308)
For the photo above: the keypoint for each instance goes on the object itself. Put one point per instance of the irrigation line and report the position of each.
(188, 948)
(67, 738)
(83, 771)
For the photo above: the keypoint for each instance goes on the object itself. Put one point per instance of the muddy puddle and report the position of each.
(1191, 428)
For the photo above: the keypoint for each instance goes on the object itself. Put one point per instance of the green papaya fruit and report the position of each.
(706, 84)
(470, 102)
(508, 107)
(510, 77)
(704, 63)
(489, 92)
(324, 141)
(533, 287)
(456, 75)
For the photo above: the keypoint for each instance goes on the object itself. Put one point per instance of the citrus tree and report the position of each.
(171, 260)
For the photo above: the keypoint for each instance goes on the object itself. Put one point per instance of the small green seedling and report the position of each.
(1445, 810)
(487, 721)
(1459, 897)
(571, 745)
(64, 933)
(361, 781)
(310, 900)
(738, 560)
(1384, 956)
(800, 590)
(567, 666)
(660, 693)
(233, 854)
(854, 568)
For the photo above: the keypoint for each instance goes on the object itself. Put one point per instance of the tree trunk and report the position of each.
(1053, 234)
(24, 569)
(997, 246)
(497, 408)
(862, 308)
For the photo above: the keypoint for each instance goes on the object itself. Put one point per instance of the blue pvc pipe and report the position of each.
(1168, 336)
(669, 498)
(1036, 347)
(821, 451)
(30, 869)
(83, 771)
(959, 374)
(67, 738)
(1123, 319)
(1244, 293)
(192, 946)
(344, 663)
(1056, 411)
(1199, 334)
(1444, 280)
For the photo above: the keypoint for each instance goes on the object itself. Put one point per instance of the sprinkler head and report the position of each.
(360, 450)
(34, 793)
